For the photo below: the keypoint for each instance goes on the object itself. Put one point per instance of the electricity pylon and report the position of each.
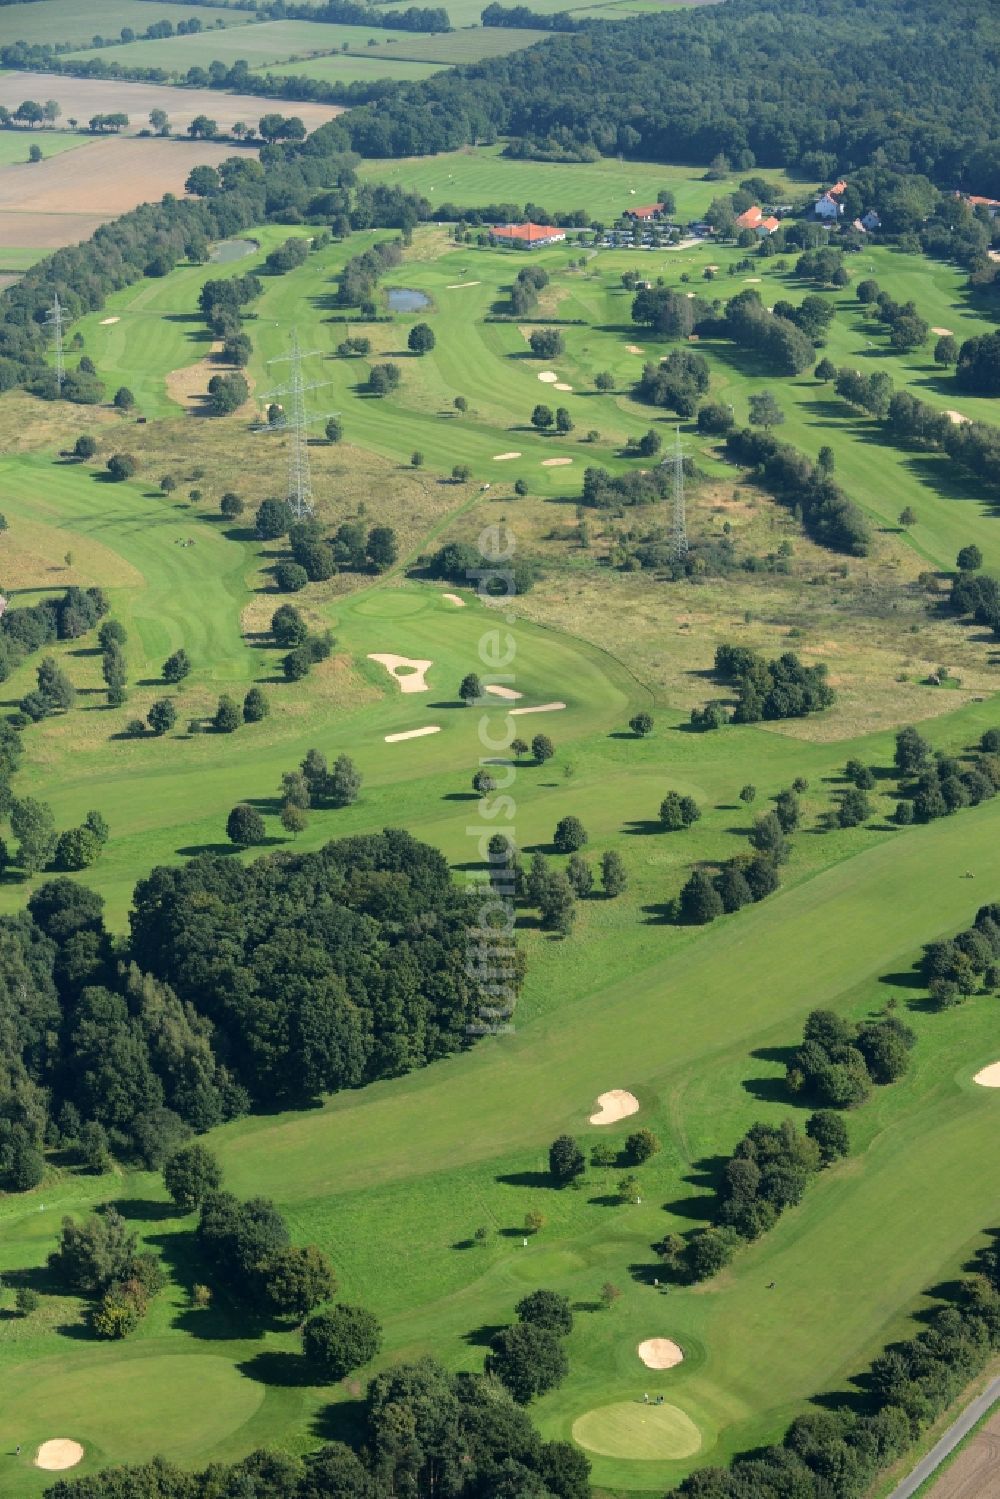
(54, 320)
(294, 421)
(678, 527)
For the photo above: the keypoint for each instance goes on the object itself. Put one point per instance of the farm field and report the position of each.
(260, 43)
(62, 21)
(14, 144)
(356, 67)
(394, 1179)
(80, 98)
(446, 49)
(63, 199)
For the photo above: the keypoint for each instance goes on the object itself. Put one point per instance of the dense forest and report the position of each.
(240, 985)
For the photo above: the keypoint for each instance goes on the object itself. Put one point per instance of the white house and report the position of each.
(827, 207)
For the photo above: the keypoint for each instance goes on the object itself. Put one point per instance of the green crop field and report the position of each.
(356, 67)
(14, 146)
(52, 21)
(446, 48)
(393, 1180)
(262, 42)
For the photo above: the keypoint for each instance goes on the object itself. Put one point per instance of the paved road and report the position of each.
(956, 1431)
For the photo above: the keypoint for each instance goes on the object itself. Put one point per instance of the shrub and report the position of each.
(341, 1340)
(570, 835)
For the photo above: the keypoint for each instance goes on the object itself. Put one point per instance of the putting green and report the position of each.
(180, 1405)
(634, 1430)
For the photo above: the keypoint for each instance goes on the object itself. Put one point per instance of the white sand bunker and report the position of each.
(453, 598)
(542, 708)
(634, 349)
(660, 1353)
(104, 323)
(548, 377)
(61, 1452)
(555, 462)
(618, 1104)
(956, 418)
(751, 280)
(561, 385)
(432, 728)
(407, 672)
(498, 691)
(504, 457)
(457, 285)
(989, 1077)
(942, 332)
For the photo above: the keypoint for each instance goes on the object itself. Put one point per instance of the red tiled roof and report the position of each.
(978, 202)
(770, 224)
(528, 232)
(750, 219)
(645, 211)
(837, 189)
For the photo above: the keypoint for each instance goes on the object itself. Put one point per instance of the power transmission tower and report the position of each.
(54, 320)
(678, 529)
(294, 421)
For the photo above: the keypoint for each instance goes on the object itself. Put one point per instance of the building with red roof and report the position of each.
(528, 234)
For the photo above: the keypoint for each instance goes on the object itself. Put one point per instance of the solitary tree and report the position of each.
(566, 1160)
(255, 706)
(613, 874)
(570, 834)
(121, 466)
(421, 339)
(33, 825)
(84, 447)
(227, 716)
(177, 666)
(748, 793)
(162, 716)
(245, 826)
(340, 1340)
(548, 1309)
(527, 1359)
(124, 399)
(970, 559)
(542, 748)
(542, 418)
(765, 411)
(641, 724)
(471, 689)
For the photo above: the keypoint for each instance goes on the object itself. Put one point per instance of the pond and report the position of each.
(232, 249)
(404, 299)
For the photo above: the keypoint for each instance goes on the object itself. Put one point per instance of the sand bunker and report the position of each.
(104, 323)
(555, 462)
(956, 417)
(660, 1353)
(457, 285)
(498, 691)
(634, 349)
(453, 598)
(561, 385)
(61, 1452)
(618, 1104)
(503, 457)
(751, 280)
(548, 377)
(432, 728)
(942, 332)
(989, 1077)
(542, 708)
(711, 268)
(407, 672)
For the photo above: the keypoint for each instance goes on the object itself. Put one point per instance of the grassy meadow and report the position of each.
(52, 21)
(394, 1179)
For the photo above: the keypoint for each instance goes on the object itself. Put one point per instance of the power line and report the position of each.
(294, 421)
(54, 320)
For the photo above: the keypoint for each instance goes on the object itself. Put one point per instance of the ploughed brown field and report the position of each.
(975, 1473)
(80, 98)
(63, 199)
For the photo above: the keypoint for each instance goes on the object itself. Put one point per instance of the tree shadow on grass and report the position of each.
(527, 1179)
(642, 826)
(193, 850)
(606, 1200)
(145, 1210)
(771, 1090)
(658, 914)
(482, 1337)
(273, 1366)
(341, 1422)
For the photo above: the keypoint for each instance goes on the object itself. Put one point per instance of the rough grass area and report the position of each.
(61, 21)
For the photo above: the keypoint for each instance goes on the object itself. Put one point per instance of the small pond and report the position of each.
(404, 299)
(232, 249)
